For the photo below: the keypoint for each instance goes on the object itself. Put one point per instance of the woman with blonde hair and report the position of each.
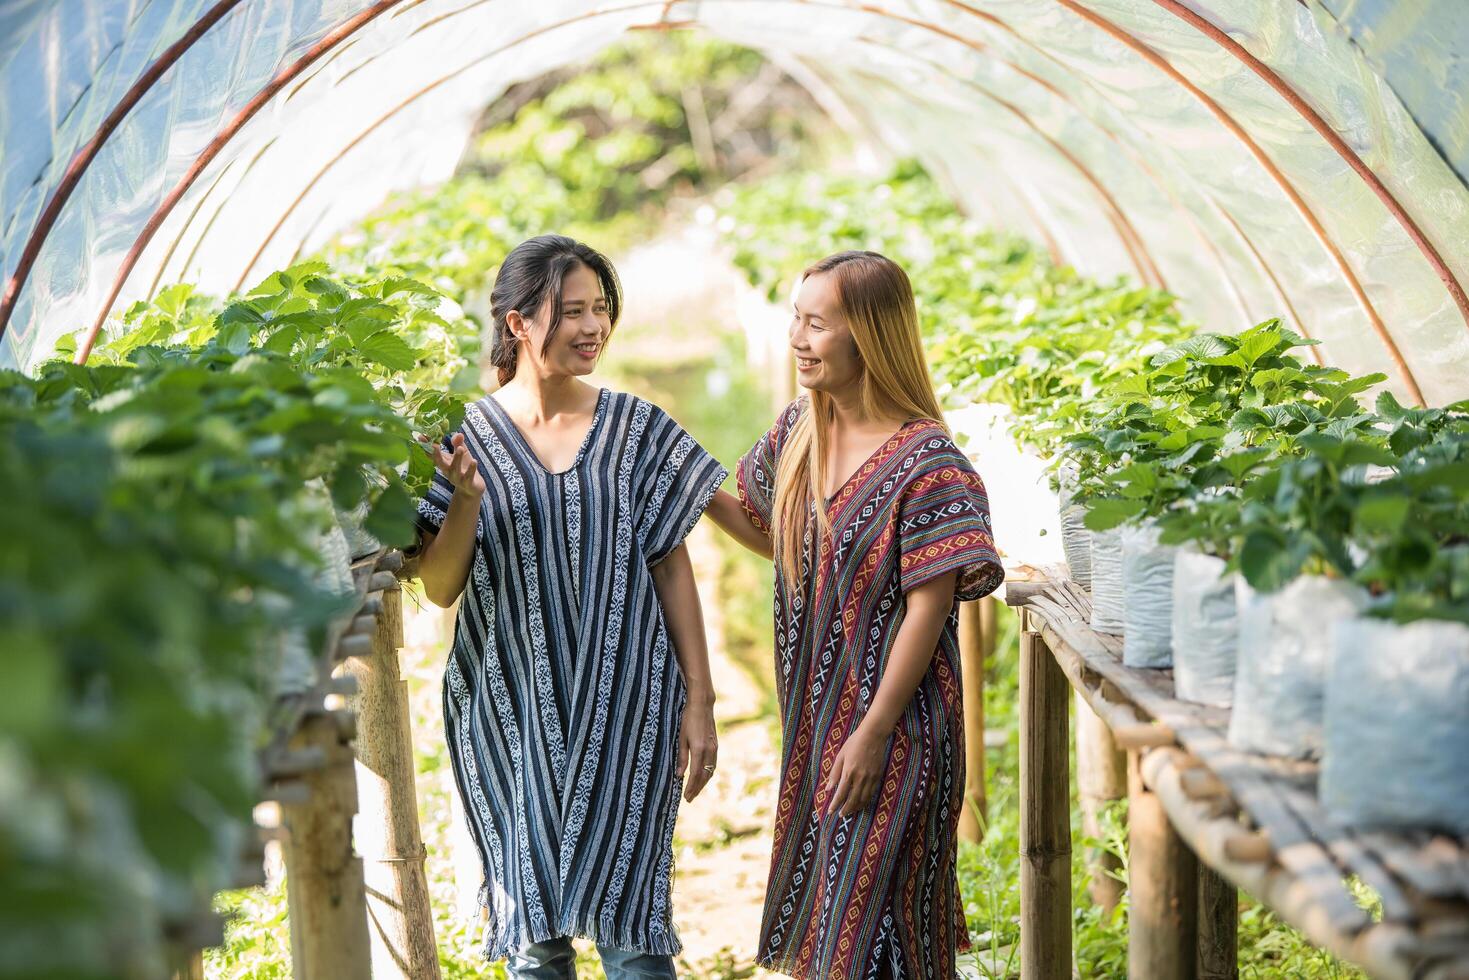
(878, 526)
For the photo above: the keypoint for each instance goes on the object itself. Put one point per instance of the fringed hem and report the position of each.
(787, 967)
(600, 930)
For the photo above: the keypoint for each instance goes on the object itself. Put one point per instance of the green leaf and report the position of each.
(391, 517)
(1105, 513)
(1267, 561)
(389, 350)
(241, 312)
(1257, 342)
(1242, 462)
(1382, 514)
(1199, 347)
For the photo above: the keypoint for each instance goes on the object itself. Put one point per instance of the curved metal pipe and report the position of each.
(1294, 100)
(83, 158)
(1284, 183)
(282, 78)
(420, 93)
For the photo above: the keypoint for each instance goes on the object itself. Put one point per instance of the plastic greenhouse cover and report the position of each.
(1172, 143)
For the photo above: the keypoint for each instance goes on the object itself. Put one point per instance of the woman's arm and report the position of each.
(678, 594)
(859, 766)
(444, 567)
(727, 511)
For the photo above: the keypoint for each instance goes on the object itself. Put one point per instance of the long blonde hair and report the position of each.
(877, 301)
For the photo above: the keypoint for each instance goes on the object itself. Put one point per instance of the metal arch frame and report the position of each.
(83, 158)
(426, 89)
(1296, 102)
(1124, 145)
(1317, 230)
(280, 80)
(1234, 228)
(1283, 182)
(1126, 233)
(1142, 258)
(1269, 274)
(171, 55)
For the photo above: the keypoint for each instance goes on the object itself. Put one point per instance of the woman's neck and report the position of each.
(850, 414)
(544, 397)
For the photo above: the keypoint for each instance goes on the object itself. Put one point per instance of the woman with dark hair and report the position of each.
(878, 526)
(577, 693)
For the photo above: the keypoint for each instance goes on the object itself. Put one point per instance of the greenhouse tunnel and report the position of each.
(1248, 159)
(1253, 157)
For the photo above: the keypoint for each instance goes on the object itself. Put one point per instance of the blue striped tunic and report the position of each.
(562, 695)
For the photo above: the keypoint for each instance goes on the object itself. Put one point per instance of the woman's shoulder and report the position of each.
(786, 420)
(929, 443)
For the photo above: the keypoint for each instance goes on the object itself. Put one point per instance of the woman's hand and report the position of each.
(444, 566)
(458, 467)
(698, 747)
(857, 771)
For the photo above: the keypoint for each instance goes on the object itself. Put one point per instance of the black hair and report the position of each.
(531, 275)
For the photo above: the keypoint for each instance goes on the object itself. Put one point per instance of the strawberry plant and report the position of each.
(1206, 416)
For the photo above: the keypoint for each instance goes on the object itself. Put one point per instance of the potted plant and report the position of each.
(1397, 688)
(1208, 410)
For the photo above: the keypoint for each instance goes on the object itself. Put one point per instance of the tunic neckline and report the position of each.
(530, 450)
(871, 457)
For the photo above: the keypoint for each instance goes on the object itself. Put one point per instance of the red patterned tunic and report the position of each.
(873, 895)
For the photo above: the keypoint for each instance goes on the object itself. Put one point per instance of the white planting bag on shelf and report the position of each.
(1284, 643)
(1205, 629)
(1397, 725)
(1147, 598)
(1107, 581)
(1076, 540)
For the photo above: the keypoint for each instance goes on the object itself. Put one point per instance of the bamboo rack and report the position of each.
(340, 745)
(1207, 818)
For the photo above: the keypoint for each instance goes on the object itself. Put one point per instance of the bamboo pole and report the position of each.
(1045, 831)
(190, 966)
(324, 886)
(1101, 778)
(393, 852)
(1163, 878)
(1218, 926)
(972, 656)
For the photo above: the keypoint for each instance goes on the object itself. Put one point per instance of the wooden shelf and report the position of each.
(1256, 819)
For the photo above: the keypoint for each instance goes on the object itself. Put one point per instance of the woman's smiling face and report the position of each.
(582, 333)
(826, 353)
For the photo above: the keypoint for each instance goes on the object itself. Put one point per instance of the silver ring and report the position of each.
(708, 768)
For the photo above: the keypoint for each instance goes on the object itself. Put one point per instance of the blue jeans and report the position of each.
(555, 959)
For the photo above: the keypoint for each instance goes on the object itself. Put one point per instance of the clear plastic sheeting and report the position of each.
(1173, 143)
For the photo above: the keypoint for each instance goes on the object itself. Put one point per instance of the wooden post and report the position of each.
(1045, 809)
(972, 656)
(324, 886)
(402, 921)
(1218, 926)
(190, 966)
(1101, 777)
(1163, 878)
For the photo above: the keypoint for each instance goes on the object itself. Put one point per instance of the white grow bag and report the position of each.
(1076, 540)
(1397, 725)
(1147, 598)
(1107, 581)
(1284, 644)
(1205, 629)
